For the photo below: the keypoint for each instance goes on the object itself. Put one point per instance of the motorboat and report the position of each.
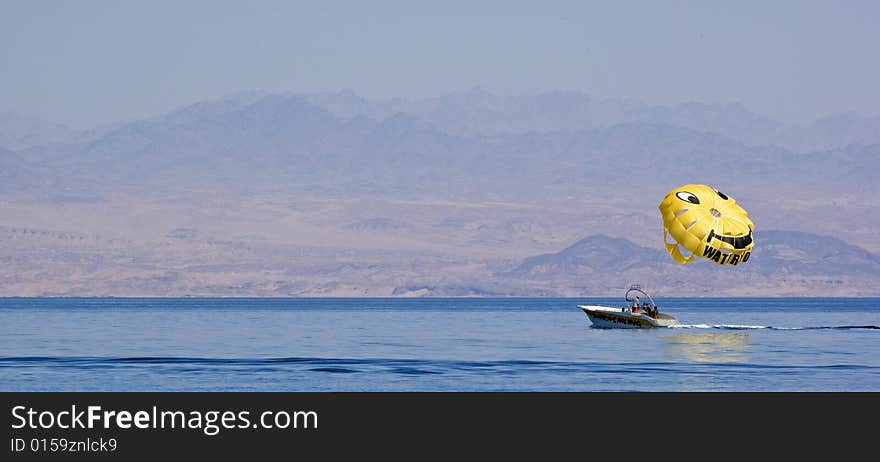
(633, 315)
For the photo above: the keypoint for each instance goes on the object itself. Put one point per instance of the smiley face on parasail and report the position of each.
(707, 223)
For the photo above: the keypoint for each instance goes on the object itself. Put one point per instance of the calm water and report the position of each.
(541, 344)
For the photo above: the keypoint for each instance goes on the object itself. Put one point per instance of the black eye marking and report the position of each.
(721, 194)
(687, 197)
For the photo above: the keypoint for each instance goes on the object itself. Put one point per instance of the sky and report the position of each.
(95, 62)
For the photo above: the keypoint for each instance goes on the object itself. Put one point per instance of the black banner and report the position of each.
(151, 426)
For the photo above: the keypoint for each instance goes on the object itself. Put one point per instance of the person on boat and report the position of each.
(646, 308)
(635, 308)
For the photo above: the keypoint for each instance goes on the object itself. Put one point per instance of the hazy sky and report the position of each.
(89, 62)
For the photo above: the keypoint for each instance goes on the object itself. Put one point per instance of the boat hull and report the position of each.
(621, 318)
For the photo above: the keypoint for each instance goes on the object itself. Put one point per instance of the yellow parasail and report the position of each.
(707, 223)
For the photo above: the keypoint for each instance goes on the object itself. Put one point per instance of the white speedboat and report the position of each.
(634, 314)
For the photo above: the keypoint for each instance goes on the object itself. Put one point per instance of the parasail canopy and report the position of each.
(708, 224)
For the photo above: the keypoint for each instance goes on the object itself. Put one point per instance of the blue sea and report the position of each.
(434, 344)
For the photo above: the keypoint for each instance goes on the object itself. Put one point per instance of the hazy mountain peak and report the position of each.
(478, 91)
(344, 103)
(401, 122)
(19, 131)
(601, 241)
(245, 97)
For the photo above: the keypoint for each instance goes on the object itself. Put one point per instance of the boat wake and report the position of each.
(747, 327)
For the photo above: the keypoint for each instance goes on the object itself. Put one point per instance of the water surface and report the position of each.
(437, 344)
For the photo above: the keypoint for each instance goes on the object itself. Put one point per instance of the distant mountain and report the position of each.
(783, 261)
(477, 112)
(18, 131)
(257, 143)
(833, 132)
(17, 176)
(287, 142)
(333, 194)
(11, 166)
(274, 142)
(784, 252)
(347, 104)
(591, 255)
(213, 108)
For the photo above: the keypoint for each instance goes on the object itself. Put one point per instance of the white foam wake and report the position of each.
(745, 326)
(717, 326)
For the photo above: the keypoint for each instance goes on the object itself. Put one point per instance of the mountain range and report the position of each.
(785, 263)
(466, 194)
